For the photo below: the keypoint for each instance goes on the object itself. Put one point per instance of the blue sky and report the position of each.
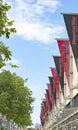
(38, 23)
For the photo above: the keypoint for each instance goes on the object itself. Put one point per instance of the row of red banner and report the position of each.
(62, 64)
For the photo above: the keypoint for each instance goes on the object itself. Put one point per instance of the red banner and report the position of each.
(65, 56)
(51, 95)
(41, 117)
(47, 102)
(60, 71)
(71, 22)
(43, 113)
(53, 89)
(43, 110)
(56, 82)
(44, 107)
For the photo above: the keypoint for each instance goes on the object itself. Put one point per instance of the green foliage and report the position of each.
(5, 29)
(2, 128)
(5, 54)
(5, 23)
(15, 99)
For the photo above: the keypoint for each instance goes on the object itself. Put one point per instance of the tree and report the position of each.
(5, 24)
(5, 54)
(5, 29)
(15, 99)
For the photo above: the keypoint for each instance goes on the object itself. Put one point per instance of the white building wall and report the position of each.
(66, 91)
(73, 75)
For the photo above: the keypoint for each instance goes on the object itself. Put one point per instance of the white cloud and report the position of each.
(37, 31)
(51, 5)
(32, 21)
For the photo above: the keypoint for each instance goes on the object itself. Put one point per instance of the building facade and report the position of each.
(59, 110)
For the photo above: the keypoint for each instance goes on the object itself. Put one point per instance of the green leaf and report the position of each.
(14, 66)
(15, 99)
